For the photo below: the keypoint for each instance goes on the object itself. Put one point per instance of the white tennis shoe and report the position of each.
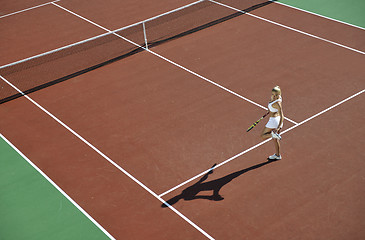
(275, 135)
(274, 157)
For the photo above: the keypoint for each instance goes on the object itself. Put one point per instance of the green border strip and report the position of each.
(348, 12)
(32, 209)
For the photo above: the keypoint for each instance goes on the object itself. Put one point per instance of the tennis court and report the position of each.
(111, 109)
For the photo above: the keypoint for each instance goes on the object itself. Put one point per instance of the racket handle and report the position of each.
(252, 126)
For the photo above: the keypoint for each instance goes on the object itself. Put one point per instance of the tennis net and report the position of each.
(61, 64)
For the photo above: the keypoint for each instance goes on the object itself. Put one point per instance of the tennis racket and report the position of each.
(255, 123)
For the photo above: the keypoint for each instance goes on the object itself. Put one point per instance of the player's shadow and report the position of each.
(191, 193)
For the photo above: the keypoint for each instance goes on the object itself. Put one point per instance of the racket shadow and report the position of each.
(192, 192)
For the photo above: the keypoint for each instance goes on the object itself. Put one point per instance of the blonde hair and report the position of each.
(277, 90)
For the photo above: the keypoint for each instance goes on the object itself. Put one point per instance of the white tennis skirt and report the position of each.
(274, 122)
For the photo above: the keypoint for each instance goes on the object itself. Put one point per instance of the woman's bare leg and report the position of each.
(277, 146)
(266, 133)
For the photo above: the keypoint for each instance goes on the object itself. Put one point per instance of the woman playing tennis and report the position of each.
(275, 123)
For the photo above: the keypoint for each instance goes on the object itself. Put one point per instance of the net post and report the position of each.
(145, 35)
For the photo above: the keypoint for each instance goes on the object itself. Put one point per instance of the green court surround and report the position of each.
(349, 11)
(33, 209)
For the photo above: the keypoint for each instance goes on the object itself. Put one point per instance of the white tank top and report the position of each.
(271, 108)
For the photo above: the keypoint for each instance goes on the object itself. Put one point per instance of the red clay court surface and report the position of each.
(164, 125)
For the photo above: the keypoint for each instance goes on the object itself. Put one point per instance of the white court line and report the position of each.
(319, 15)
(290, 28)
(58, 188)
(259, 144)
(27, 9)
(107, 158)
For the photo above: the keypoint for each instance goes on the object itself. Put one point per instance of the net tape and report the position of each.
(61, 64)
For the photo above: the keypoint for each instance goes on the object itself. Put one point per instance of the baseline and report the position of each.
(261, 143)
